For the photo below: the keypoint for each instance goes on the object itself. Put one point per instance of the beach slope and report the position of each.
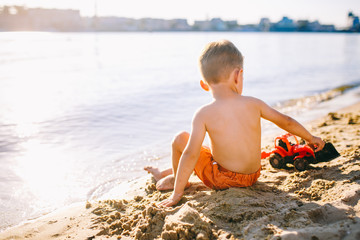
(319, 203)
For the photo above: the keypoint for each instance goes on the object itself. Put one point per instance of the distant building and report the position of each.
(249, 28)
(265, 24)
(217, 24)
(14, 18)
(354, 24)
(232, 25)
(154, 24)
(314, 26)
(284, 25)
(56, 19)
(303, 26)
(328, 28)
(202, 25)
(112, 24)
(179, 25)
(18, 18)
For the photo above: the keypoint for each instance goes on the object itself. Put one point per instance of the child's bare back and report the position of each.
(233, 125)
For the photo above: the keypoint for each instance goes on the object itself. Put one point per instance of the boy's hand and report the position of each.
(172, 200)
(318, 142)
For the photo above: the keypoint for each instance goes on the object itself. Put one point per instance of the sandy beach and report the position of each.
(319, 203)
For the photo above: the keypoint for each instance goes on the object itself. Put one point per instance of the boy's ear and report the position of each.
(204, 85)
(240, 73)
(237, 74)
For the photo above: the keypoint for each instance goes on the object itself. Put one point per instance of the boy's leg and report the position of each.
(177, 148)
(178, 145)
(157, 174)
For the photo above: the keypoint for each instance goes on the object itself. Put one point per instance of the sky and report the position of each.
(244, 11)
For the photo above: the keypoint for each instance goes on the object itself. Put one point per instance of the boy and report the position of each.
(232, 122)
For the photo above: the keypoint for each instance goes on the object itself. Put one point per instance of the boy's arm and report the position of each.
(289, 124)
(188, 160)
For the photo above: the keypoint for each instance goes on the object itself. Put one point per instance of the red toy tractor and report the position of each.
(290, 152)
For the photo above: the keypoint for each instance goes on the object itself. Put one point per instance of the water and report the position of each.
(82, 112)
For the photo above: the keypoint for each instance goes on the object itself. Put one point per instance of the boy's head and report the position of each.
(218, 60)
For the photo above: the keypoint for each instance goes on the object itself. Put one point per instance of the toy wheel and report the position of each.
(310, 159)
(301, 164)
(277, 161)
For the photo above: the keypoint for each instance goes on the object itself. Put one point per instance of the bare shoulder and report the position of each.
(203, 111)
(255, 102)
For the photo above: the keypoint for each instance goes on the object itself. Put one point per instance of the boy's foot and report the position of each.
(154, 171)
(168, 183)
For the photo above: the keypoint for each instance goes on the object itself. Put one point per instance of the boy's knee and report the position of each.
(180, 140)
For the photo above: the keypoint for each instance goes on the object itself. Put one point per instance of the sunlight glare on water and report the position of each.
(46, 177)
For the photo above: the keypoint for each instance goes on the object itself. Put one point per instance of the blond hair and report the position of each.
(218, 60)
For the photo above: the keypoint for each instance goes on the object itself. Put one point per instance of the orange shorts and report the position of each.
(216, 177)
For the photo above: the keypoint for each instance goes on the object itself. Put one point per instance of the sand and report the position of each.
(319, 203)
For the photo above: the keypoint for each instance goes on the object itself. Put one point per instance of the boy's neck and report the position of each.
(223, 91)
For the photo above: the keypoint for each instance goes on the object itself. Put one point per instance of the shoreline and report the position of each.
(308, 203)
(94, 158)
(305, 109)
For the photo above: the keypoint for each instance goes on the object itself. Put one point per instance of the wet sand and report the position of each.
(319, 203)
